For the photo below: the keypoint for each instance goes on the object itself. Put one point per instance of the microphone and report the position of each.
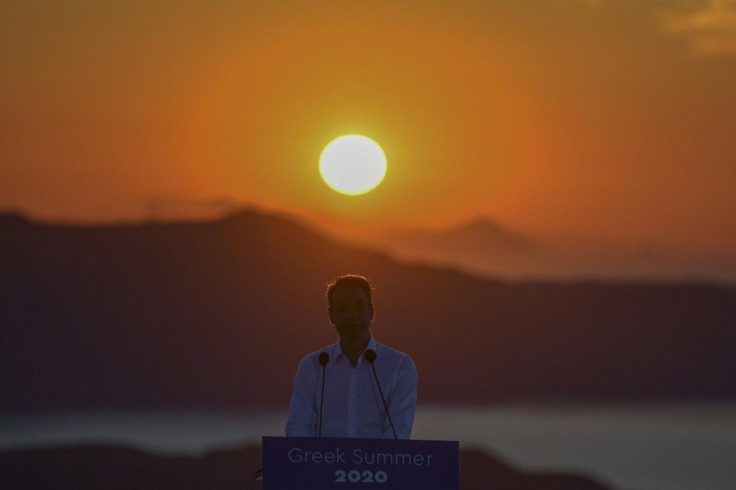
(324, 358)
(370, 356)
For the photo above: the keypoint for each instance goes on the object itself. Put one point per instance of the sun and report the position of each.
(352, 164)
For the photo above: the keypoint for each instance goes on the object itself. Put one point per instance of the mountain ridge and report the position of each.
(486, 248)
(219, 313)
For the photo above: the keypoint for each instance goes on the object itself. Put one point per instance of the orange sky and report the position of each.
(599, 118)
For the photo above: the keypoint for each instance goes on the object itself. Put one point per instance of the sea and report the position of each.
(626, 446)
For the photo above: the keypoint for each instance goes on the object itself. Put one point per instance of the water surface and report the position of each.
(630, 447)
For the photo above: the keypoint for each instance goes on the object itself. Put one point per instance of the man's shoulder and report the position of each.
(391, 352)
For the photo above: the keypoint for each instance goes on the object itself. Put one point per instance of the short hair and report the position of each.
(350, 280)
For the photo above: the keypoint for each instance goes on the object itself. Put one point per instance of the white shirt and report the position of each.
(352, 405)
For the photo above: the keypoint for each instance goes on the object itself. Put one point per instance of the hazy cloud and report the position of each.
(710, 25)
(190, 208)
(592, 3)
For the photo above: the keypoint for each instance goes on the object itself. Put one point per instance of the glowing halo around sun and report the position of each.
(352, 164)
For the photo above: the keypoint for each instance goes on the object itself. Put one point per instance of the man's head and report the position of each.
(350, 306)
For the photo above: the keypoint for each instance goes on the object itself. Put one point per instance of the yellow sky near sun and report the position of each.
(598, 118)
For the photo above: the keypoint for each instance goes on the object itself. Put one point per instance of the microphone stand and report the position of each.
(370, 356)
(324, 358)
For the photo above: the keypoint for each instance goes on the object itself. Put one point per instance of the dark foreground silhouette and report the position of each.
(123, 468)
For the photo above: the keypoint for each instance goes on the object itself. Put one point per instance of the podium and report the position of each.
(305, 463)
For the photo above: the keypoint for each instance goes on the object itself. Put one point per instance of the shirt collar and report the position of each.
(337, 350)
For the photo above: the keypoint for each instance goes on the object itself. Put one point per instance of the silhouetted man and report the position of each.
(352, 405)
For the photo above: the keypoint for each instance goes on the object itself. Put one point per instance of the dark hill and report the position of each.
(218, 314)
(121, 468)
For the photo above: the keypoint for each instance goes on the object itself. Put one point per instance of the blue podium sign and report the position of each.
(305, 463)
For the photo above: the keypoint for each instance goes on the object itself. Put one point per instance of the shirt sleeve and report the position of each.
(404, 399)
(302, 410)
